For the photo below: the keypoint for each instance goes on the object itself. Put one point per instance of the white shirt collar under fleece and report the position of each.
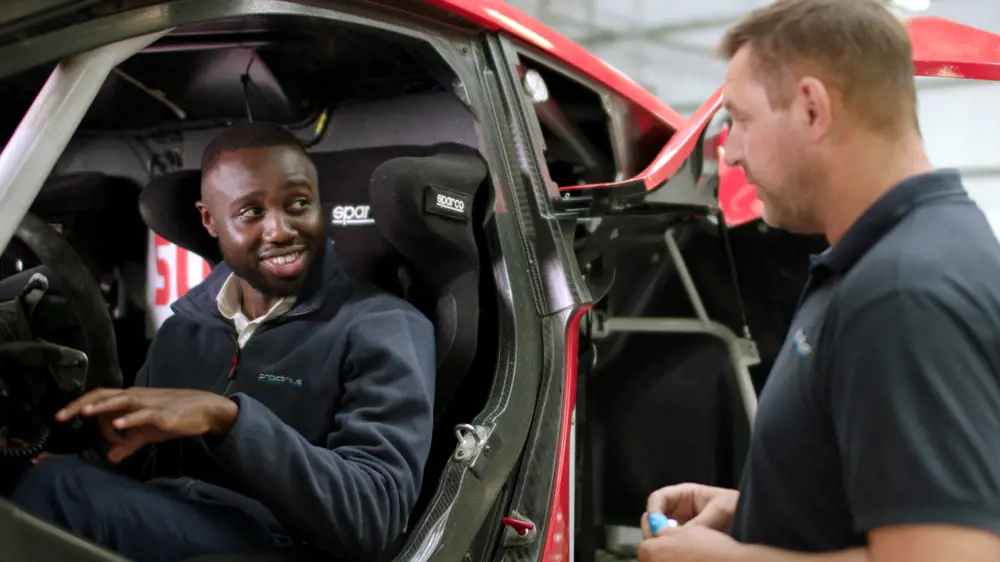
(230, 302)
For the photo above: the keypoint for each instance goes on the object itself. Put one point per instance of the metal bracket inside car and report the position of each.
(471, 441)
(46, 129)
(742, 350)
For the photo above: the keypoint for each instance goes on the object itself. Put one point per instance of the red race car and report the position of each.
(609, 310)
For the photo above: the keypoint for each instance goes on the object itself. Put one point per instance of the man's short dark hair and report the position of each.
(244, 136)
(858, 47)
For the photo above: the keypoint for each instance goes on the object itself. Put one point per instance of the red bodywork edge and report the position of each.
(947, 49)
(557, 539)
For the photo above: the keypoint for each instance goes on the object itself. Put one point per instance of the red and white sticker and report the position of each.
(171, 271)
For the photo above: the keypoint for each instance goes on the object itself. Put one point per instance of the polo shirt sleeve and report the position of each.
(915, 402)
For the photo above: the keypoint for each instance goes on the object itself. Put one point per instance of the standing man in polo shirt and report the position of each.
(878, 431)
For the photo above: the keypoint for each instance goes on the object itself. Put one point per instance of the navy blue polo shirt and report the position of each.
(883, 405)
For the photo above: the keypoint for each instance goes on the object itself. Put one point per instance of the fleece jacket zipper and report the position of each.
(231, 376)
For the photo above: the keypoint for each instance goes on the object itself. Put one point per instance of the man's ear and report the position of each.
(815, 107)
(206, 219)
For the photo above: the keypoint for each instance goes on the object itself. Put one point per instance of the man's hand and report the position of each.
(693, 504)
(691, 543)
(131, 418)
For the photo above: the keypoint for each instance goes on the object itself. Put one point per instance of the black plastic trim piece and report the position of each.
(25, 537)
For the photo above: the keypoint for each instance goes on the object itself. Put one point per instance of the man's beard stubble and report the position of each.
(795, 205)
(256, 279)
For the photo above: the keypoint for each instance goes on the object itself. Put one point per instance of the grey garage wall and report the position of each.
(961, 125)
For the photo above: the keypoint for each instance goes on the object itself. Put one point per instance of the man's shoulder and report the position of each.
(179, 331)
(364, 300)
(950, 254)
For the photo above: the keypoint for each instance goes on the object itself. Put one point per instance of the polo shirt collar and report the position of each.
(885, 213)
(230, 303)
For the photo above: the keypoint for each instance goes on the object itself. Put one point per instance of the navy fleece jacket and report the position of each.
(335, 408)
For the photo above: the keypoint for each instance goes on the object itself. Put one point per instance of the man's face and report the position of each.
(263, 206)
(773, 147)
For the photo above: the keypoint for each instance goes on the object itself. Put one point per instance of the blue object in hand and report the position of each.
(659, 521)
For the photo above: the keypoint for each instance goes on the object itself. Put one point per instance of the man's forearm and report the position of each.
(754, 553)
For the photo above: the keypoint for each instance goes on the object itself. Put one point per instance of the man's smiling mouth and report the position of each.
(287, 258)
(289, 264)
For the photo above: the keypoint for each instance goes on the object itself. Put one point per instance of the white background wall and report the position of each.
(667, 45)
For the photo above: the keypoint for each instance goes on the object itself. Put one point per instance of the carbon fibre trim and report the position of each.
(556, 263)
(534, 490)
(467, 490)
(512, 178)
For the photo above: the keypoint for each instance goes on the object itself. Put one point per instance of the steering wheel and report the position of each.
(99, 361)
(80, 288)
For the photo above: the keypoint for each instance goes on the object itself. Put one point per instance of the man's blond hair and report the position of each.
(858, 48)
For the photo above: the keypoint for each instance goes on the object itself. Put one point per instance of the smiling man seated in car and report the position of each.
(282, 403)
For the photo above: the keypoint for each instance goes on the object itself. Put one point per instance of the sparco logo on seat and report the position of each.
(351, 215)
(447, 203)
(452, 203)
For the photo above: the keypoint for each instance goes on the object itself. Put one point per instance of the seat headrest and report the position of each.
(167, 205)
(413, 120)
(424, 208)
(363, 135)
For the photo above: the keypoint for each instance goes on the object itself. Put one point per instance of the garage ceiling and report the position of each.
(667, 45)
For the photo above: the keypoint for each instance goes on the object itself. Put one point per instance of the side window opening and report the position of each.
(578, 147)
(590, 135)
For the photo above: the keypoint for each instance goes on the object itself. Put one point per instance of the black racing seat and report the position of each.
(378, 164)
(362, 136)
(424, 206)
(167, 206)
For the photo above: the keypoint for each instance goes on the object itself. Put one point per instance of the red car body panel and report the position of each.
(557, 540)
(947, 49)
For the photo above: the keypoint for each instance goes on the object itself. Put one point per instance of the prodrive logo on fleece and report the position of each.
(279, 380)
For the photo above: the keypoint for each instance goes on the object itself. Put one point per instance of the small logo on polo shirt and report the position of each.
(802, 347)
(279, 380)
